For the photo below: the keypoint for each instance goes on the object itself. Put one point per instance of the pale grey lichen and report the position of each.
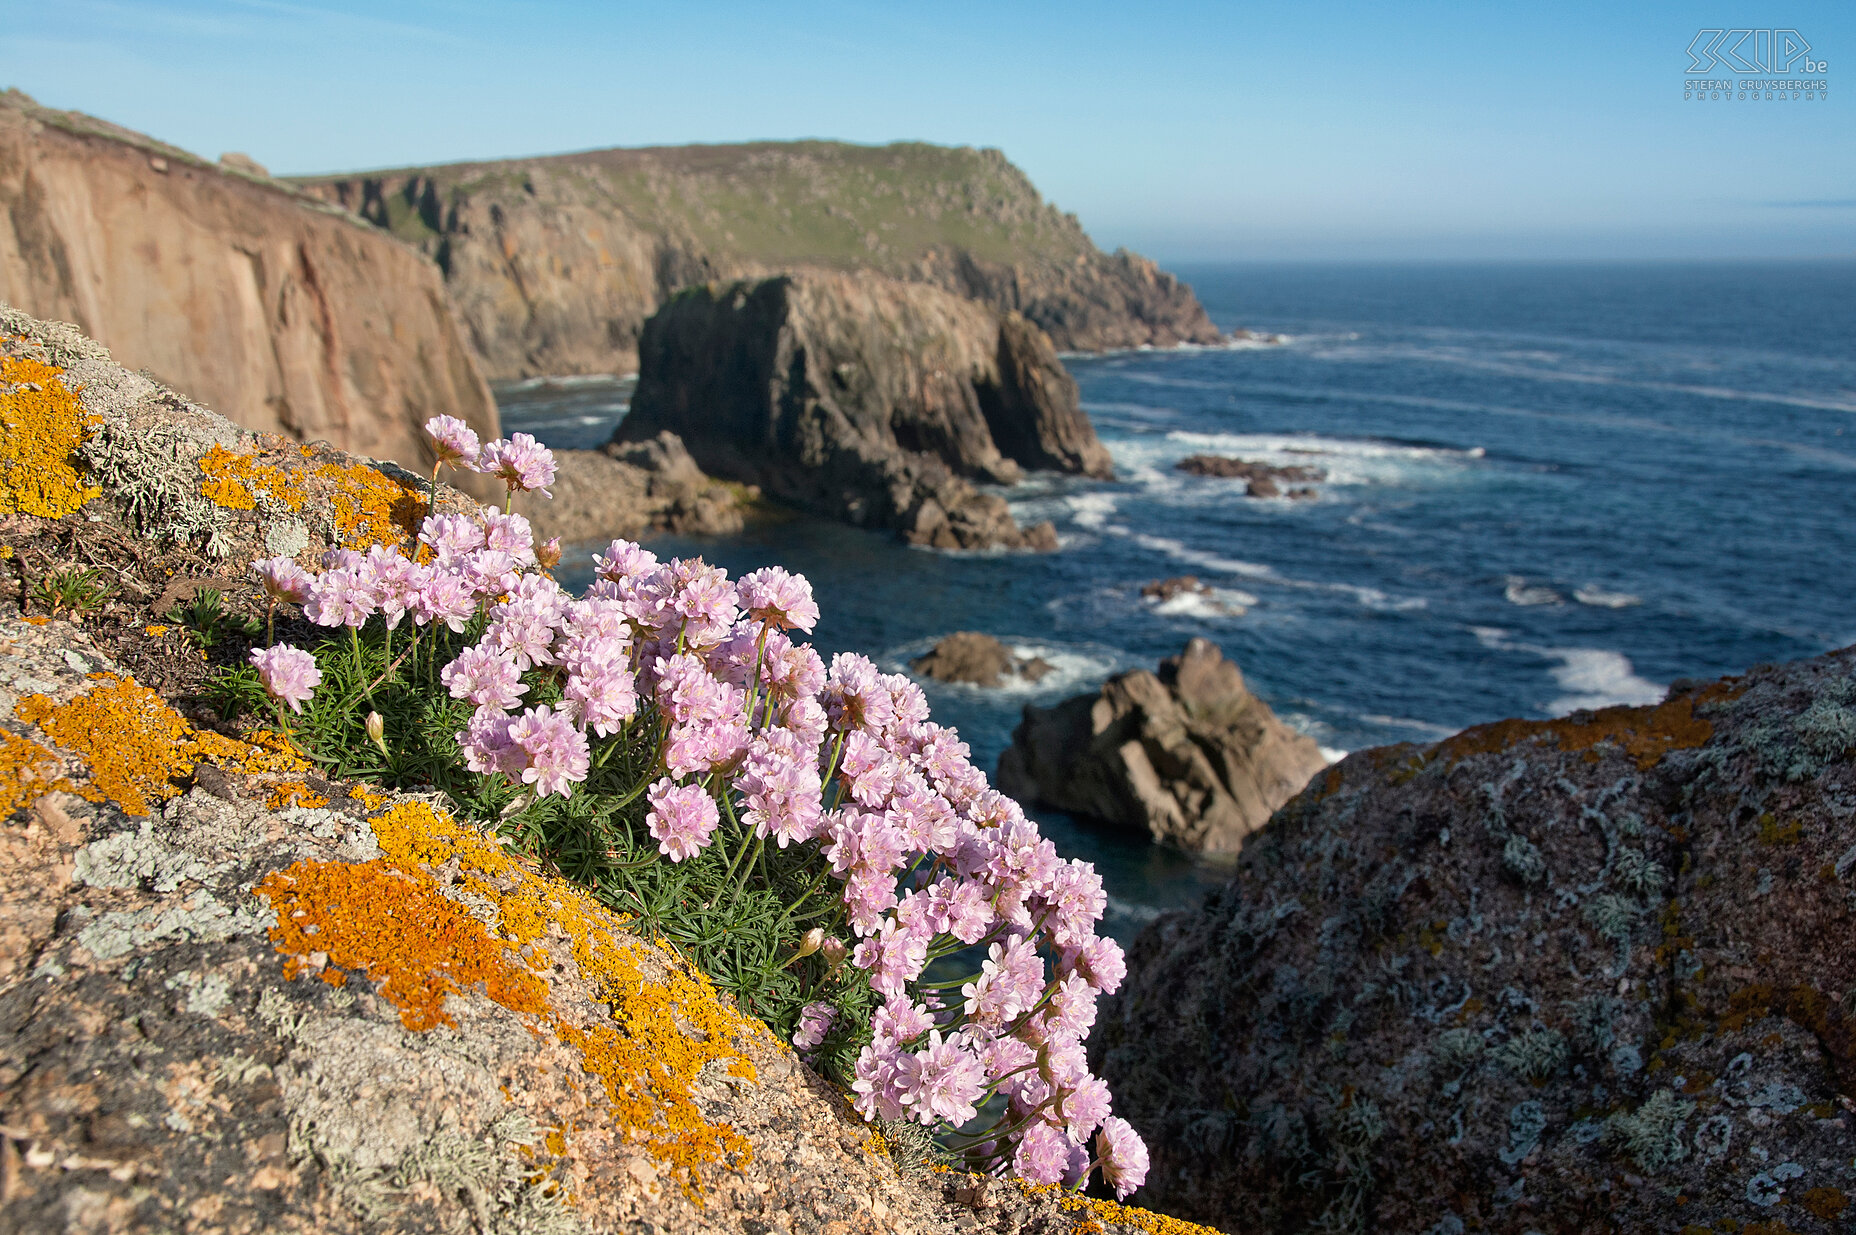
(153, 475)
(207, 995)
(1521, 858)
(201, 919)
(1651, 1135)
(1526, 1121)
(1534, 1055)
(1638, 873)
(137, 860)
(1458, 1049)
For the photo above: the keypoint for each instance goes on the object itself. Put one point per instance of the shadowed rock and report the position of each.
(864, 399)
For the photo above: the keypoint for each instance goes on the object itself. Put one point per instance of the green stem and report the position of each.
(354, 641)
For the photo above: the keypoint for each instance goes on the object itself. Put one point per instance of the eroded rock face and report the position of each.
(865, 399)
(1187, 755)
(280, 314)
(1586, 975)
(556, 263)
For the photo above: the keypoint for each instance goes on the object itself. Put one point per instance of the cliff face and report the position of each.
(279, 313)
(555, 263)
(863, 398)
(1584, 975)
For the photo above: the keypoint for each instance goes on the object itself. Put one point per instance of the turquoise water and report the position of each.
(1548, 487)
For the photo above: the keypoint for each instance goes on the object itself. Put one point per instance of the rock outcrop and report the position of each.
(1260, 479)
(865, 399)
(978, 660)
(239, 996)
(555, 263)
(1188, 755)
(1582, 975)
(280, 313)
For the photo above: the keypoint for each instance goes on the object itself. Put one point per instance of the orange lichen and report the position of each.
(1645, 734)
(367, 507)
(400, 930)
(41, 426)
(1825, 1203)
(136, 747)
(664, 1031)
(27, 772)
(1099, 1211)
(294, 793)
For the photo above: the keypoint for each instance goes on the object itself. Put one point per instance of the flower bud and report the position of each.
(810, 942)
(377, 731)
(548, 555)
(834, 951)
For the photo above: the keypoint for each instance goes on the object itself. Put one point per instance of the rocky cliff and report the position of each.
(238, 995)
(1584, 975)
(1188, 755)
(866, 399)
(555, 263)
(280, 313)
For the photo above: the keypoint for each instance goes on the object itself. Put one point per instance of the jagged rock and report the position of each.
(278, 312)
(1164, 590)
(979, 660)
(631, 489)
(1189, 755)
(555, 263)
(1582, 975)
(866, 399)
(1227, 468)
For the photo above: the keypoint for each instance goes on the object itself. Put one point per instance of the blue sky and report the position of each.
(1189, 131)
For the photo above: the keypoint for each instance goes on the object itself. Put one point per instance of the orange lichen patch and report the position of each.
(401, 931)
(665, 1031)
(156, 631)
(1825, 1203)
(1645, 734)
(368, 507)
(1099, 1211)
(27, 772)
(294, 793)
(41, 426)
(267, 751)
(136, 747)
(367, 797)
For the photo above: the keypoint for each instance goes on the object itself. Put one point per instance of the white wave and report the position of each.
(1179, 552)
(1131, 910)
(1519, 592)
(1333, 754)
(1404, 722)
(1591, 677)
(1347, 461)
(1598, 678)
(1210, 604)
(568, 381)
(1091, 510)
(1591, 594)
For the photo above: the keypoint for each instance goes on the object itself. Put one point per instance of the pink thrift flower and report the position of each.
(523, 464)
(339, 598)
(454, 442)
(510, 533)
(290, 675)
(1085, 1107)
(875, 1083)
(558, 755)
(814, 1023)
(602, 699)
(942, 1081)
(1123, 1154)
(855, 696)
(451, 537)
(445, 599)
(779, 598)
(484, 677)
(901, 1022)
(681, 818)
(283, 579)
(1102, 964)
(487, 747)
(1043, 1155)
(624, 561)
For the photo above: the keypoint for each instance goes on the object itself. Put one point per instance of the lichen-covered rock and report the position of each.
(1189, 755)
(237, 996)
(864, 399)
(1592, 974)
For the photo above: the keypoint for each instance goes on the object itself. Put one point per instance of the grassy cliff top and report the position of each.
(779, 202)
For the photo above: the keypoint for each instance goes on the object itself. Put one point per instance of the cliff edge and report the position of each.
(280, 313)
(555, 263)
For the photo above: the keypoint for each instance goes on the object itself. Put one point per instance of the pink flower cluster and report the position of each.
(931, 862)
(522, 463)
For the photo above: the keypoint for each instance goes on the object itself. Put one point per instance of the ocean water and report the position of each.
(1548, 487)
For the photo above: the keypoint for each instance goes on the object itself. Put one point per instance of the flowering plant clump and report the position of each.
(818, 845)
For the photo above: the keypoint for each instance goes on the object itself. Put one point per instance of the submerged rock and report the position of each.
(1261, 478)
(1583, 975)
(979, 660)
(1189, 755)
(864, 399)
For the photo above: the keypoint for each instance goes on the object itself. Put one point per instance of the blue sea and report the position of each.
(1547, 487)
